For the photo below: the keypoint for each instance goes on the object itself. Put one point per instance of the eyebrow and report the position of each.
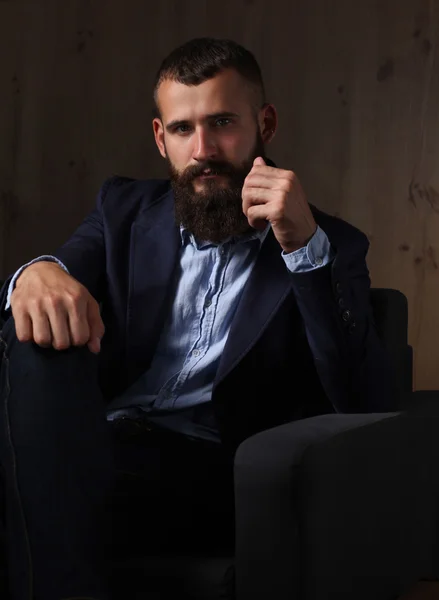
(222, 115)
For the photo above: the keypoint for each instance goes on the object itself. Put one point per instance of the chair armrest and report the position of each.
(337, 506)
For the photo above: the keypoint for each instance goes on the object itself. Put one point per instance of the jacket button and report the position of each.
(346, 315)
(338, 288)
(352, 327)
(341, 302)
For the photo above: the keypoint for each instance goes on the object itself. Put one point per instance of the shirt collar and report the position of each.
(187, 236)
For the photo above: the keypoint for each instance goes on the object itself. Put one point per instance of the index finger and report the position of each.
(268, 171)
(23, 326)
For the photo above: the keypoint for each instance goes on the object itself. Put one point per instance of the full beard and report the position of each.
(215, 213)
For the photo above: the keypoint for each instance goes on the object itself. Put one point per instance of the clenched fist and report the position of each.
(275, 195)
(52, 308)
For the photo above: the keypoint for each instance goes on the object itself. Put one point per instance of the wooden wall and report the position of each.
(356, 83)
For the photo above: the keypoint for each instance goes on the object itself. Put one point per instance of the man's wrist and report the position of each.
(294, 248)
(17, 275)
(297, 245)
(41, 264)
(316, 254)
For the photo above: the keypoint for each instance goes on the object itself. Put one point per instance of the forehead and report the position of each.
(226, 92)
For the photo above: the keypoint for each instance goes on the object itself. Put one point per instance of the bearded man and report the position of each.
(183, 316)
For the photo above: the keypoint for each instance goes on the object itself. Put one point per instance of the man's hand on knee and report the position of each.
(52, 308)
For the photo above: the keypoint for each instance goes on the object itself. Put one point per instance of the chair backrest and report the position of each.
(390, 310)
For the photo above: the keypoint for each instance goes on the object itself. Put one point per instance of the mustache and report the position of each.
(213, 167)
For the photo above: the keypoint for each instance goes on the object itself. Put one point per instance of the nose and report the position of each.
(204, 145)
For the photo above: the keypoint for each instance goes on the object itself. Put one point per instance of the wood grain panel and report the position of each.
(356, 85)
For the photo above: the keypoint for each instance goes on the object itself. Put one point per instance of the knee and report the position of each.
(28, 358)
(41, 387)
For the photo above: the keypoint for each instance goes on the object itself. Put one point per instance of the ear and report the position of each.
(159, 135)
(267, 120)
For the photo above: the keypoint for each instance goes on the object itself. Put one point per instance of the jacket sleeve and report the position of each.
(354, 368)
(83, 254)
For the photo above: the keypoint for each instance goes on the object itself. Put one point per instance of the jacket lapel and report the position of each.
(154, 253)
(266, 288)
(268, 284)
(155, 244)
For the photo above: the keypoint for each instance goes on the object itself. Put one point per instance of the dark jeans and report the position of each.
(76, 494)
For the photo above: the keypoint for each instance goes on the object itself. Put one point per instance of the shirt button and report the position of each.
(319, 261)
(208, 303)
(195, 352)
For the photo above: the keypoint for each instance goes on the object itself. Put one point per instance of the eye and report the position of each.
(223, 122)
(182, 129)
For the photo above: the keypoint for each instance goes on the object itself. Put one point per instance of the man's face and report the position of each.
(209, 135)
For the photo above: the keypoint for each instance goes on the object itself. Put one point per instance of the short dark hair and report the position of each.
(201, 59)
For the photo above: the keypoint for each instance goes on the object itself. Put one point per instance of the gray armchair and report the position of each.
(356, 514)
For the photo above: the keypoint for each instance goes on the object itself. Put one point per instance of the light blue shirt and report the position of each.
(176, 390)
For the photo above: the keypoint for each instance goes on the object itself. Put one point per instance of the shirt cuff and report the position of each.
(45, 257)
(316, 254)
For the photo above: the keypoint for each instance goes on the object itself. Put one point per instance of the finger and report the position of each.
(259, 179)
(259, 215)
(259, 161)
(274, 172)
(59, 324)
(254, 196)
(94, 345)
(41, 330)
(78, 324)
(23, 326)
(96, 325)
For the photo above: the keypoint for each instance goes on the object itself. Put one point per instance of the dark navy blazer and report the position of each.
(300, 344)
